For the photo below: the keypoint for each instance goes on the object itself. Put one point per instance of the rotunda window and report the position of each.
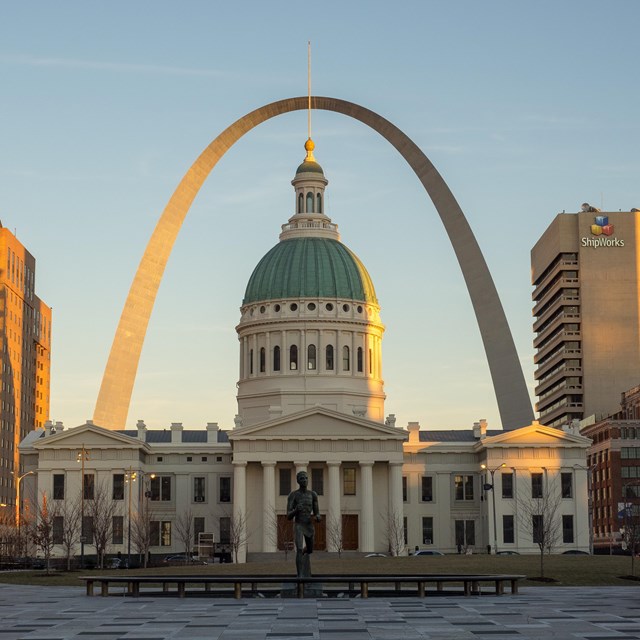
(300, 203)
(309, 202)
(311, 357)
(359, 360)
(293, 306)
(276, 358)
(329, 357)
(345, 358)
(359, 308)
(311, 306)
(293, 357)
(329, 307)
(251, 361)
(263, 309)
(345, 307)
(263, 360)
(276, 308)
(319, 203)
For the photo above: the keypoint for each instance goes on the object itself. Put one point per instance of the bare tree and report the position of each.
(70, 511)
(184, 530)
(394, 529)
(141, 531)
(238, 533)
(9, 540)
(335, 539)
(280, 531)
(540, 520)
(42, 529)
(101, 510)
(630, 529)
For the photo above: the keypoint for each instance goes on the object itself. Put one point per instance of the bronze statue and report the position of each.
(302, 504)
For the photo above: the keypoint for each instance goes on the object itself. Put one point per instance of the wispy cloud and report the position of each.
(119, 67)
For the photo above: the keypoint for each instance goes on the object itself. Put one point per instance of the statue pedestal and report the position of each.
(290, 590)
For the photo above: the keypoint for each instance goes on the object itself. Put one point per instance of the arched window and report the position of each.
(319, 203)
(263, 360)
(345, 358)
(311, 357)
(329, 357)
(300, 203)
(293, 357)
(276, 358)
(359, 358)
(251, 361)
(309, 202)
(370, 361)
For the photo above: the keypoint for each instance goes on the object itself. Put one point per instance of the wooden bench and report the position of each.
(471, 584)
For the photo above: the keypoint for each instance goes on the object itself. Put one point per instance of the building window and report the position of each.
(57, 534)
(300, 203)
(349, 481)
(198, 528)
(225, 489)
(87, 529)
(309, 202)
(463, 487)
(465, 531)
(117, 530)
(359, 360)
(311, 357)
(225, 530)
(536, 485)
(160, 488)
(567, 529)
(285, 481)
(329, 357)
(345, 358)
(58, 486)
(566, 481)
(263, 360)
(276, 358)
(118, 486)
(508, 530)
(199, 485)
(317, 481)
(293, 357)
(160, 533)
(537, 528)
(427, 489)
(319, 203)
(507, 485)
(427, 530)
(404, 489)
(405, 530)
(251, 361)
(89, 485)
(370, 361)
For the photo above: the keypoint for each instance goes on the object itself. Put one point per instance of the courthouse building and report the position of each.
(311, 396)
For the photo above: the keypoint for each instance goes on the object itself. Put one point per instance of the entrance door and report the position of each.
(349, 532)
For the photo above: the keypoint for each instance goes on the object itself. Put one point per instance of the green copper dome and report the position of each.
(310, 268)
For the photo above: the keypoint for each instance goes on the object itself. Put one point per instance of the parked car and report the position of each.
(428, 552)
(575, 552)
(507, 553)
(117, 563)
(178, 559)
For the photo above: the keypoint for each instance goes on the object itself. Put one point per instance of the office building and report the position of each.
(585, 273)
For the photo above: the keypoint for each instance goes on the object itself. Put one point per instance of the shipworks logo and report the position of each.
(602, 230)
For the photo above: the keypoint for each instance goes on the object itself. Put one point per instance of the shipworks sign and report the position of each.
(601, 232)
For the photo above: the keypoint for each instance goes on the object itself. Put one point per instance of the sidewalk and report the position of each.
(57, 613)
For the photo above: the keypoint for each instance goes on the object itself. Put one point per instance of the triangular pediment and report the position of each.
(318, 423)
(90, 436)
(535, 435)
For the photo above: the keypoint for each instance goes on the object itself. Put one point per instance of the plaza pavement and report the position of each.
(52, 613)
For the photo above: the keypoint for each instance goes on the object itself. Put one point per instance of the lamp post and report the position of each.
(130, 478)
(82, 456)
(19, 479)
(492, 486)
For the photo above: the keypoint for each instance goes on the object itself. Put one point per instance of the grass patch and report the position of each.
(562, 570)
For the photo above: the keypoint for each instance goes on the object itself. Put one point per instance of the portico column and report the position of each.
(396, 511)
(301, 466)
(366, 507)
(269, 528)
(333, 514)
(240, 504)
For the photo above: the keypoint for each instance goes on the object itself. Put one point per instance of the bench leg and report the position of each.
(499, 587)
(135, 589)
(439, 585)
(467, 588)
(89, 587)
(514, 586)
(398, 586)
(364, 589)
(104, 588)
(165, 586)
(237, 590)
(421, 590)
(300, 589)
(475, 587)
(207, 586)
(181, 589)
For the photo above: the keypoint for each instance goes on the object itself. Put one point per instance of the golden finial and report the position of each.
(309, 146)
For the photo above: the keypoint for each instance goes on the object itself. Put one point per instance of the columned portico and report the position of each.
(366, 522)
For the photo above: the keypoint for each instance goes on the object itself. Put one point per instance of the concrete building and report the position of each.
(311, 396)
(25, 333)
(587, 313)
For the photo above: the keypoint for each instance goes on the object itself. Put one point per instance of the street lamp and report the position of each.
(19, 505)
(82, 457)
(130, 478)
(493, 500)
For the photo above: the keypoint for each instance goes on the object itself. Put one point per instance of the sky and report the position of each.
(527, 109)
